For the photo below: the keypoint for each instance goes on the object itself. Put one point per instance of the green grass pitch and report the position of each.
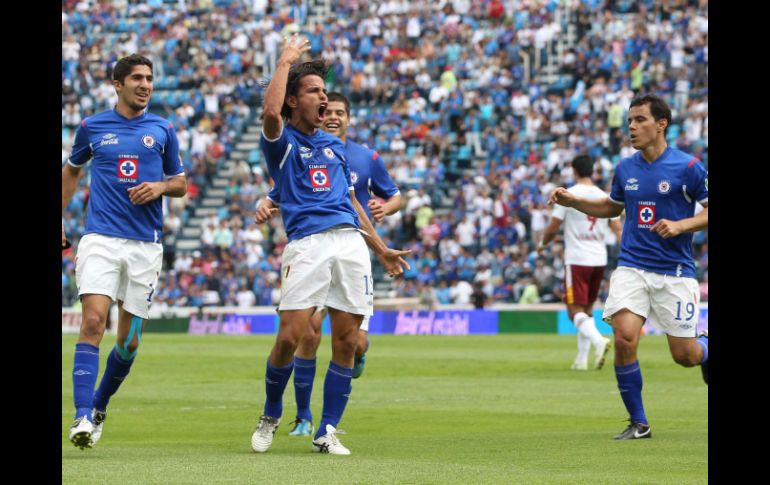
(428, 410)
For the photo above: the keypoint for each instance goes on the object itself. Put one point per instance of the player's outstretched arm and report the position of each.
(667, 228)
(266, 209)
(603, 208)
(293, 48)
(391, 259)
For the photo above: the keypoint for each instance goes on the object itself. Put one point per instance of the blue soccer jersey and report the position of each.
(313, 181)
(367, 172)
(369, 175)
(665, 189)
(126, 152)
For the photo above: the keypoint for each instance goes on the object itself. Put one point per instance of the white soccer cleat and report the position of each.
(264, 433)
(600, 354)
(99, 417)
(329, 443)
(80, 432)
(579, 365)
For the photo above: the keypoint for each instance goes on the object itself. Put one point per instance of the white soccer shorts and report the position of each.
(328, 269)
(670, 303)
(123, 269)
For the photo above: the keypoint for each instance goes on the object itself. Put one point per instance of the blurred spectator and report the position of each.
(479, 297)
(428, 296)
(529, 294)
(460, 292)
(245, 297)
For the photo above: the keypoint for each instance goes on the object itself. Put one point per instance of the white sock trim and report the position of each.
(587, 327)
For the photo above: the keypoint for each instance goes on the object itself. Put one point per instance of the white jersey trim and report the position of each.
(273, 140)
(686, 195)
(69, 162)
(285, 156)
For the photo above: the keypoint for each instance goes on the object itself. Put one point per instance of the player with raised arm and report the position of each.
(370, 177)
(325, 263)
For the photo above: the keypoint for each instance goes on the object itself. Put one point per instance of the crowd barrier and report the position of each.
(446, 320)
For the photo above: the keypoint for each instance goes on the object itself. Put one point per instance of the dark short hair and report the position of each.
(317, 67)
(124, 66)
(583, 165)
(340, 98)
(658, 108)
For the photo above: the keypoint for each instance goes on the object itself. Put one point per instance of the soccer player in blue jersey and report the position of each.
(325, 263)
(655, 280)
(370, 177)
(120, 255)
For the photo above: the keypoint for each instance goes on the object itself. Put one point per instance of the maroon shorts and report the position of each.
(581, 284)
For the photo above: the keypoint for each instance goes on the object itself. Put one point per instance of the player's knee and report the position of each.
(310, 342)
(345, 344)
(129, 348)
(92, 325)
(625, 343)
(286, 344)
(684, 358)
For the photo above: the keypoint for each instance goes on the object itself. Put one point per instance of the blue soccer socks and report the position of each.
(703, 341)
(630, 386)
(337, 388)
(84, 374)
(114, 373)
(276, 379)
(304, 374)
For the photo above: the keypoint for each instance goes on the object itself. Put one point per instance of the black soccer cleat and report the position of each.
(635, 431)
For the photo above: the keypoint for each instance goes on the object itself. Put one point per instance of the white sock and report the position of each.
(587, 327)
(584, 345)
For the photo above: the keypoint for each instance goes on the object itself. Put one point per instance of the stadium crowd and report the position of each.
(454, 95)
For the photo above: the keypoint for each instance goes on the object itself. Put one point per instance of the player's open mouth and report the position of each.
(321, 110)
(332, 126)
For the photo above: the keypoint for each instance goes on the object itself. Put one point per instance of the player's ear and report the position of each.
(291, 101)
